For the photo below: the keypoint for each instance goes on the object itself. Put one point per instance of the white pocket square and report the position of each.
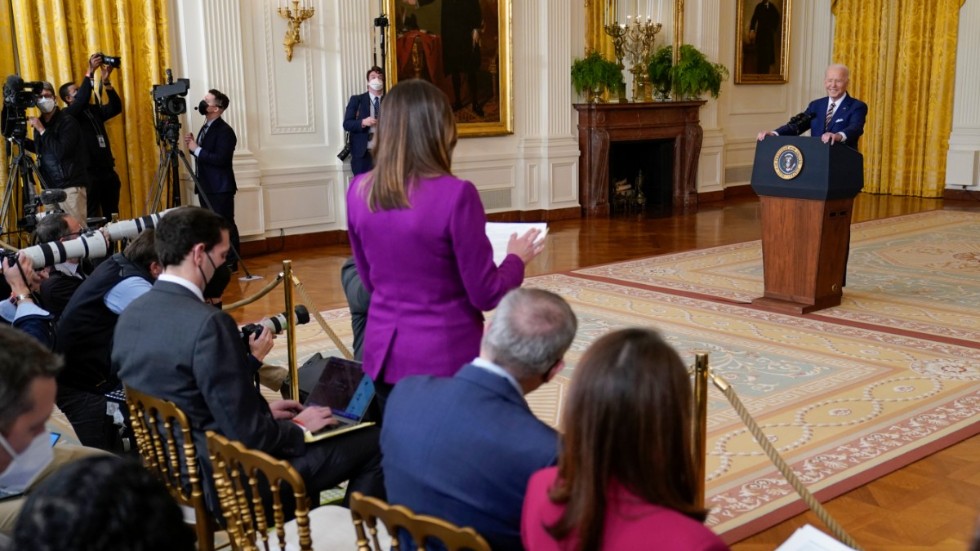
(839, 120)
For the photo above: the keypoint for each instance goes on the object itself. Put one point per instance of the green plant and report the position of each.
(691, 77)
(595, 72)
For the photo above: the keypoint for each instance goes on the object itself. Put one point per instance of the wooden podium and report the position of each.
(806, 189)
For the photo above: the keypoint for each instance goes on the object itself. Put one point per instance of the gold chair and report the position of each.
(238, 474)
(366, 511)
(156, 426)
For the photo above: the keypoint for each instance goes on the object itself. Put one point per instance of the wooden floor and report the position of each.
(931, 504)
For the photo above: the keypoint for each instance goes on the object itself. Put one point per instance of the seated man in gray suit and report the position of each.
(463, 448)
(170, 344)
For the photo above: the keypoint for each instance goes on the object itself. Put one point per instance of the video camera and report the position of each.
(17, 97)
(92, 244)
(49, 198)
(169, 103)
(275, 324)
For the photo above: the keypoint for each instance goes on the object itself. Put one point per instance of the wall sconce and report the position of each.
(294, 17)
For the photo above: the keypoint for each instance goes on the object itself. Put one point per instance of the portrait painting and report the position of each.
(762, 41)
(461, 46)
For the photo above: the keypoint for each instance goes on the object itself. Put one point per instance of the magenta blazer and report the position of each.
(431, 274)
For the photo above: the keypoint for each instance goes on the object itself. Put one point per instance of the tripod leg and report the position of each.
(207, 203)
(153, 201)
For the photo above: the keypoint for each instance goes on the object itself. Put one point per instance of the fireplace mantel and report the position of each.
(601, 124)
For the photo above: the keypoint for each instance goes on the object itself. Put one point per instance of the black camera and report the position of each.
(18, 96)
(345, 152)
(169, 104)
(275, 324)
(49, 198)
(113, 61)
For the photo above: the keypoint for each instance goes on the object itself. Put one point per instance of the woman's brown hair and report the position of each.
(416, 137)
(627, 420)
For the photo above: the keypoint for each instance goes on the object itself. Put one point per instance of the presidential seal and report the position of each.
(788, 162)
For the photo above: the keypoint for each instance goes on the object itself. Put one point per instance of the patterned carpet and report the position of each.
(846, 395)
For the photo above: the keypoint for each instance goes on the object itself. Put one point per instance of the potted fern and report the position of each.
(691, 77)
(594, 74)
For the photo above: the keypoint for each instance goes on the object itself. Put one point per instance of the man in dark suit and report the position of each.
(214, 148)
(361, 119)
(467, 458)
(837, 118)
(765, 27)
(169, 343)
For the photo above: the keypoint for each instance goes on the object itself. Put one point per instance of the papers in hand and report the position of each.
(499, 234)
(808, 538)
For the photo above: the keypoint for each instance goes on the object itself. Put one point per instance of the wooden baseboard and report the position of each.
(727, 193)
(962, 194)
(268, 245)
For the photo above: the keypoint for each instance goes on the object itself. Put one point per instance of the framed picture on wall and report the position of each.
(762, 41)
(461, 46)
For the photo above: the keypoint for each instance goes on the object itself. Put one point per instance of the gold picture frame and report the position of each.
(762, 39)
(479, 59)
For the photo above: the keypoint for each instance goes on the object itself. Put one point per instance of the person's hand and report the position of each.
(94, 61)
(831, 138)
(190, 141)
(524, 246)
(368, 121)
(476, 37)
(20, 284)
(106, 71)
(260, 345)
(314, 418)
(36, 123)
(763, 135)
(285, 409)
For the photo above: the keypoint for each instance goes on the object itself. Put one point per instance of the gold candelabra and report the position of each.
(294, 18)
(634, 41)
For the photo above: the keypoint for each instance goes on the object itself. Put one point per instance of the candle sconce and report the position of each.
(294, 18)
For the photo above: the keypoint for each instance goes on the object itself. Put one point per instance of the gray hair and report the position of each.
(530, 332)
(842, 67)
(22, 359)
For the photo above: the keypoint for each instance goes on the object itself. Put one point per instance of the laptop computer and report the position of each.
(347, 391)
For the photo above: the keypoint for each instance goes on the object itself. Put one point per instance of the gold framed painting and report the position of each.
(762, 41)
(461, 46)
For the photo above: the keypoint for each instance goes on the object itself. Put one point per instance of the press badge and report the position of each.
(101, 141)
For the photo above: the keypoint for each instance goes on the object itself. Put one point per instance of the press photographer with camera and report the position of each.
(64, 278)
(103, 182)
(84, 338)
(61, 158)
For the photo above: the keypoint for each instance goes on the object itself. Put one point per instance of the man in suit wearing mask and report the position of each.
(361, 119)
(214, 149)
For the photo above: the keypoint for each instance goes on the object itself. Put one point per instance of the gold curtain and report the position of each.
(599, 13)
(902, 56)
(52, 40)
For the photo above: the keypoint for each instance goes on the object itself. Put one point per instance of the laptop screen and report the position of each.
(344, 388)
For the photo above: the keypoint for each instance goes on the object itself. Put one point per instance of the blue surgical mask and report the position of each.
(25, 466)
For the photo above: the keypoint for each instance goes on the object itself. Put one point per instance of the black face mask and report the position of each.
(202, 107)
(216, 286)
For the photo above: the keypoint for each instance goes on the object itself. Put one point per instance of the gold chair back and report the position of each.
(238, 474)
(156, 425)
(366, 511)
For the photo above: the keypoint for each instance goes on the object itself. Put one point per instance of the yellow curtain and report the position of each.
(599, 13)
(52, 40)
(902, 56)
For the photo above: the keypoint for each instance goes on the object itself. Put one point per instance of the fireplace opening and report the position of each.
(641, 177)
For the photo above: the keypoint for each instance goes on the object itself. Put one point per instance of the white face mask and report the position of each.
(27, 465)
(376, 84)
(46, 105)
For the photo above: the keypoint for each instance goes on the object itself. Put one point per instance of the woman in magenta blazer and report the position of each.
(625, 474)
(419, 240)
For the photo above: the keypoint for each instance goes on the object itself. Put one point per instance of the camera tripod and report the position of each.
(23, 174)
(168, 174)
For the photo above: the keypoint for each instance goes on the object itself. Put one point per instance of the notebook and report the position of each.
(347, 391)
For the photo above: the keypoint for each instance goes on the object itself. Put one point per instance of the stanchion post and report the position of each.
(287, 271)
(700, 423)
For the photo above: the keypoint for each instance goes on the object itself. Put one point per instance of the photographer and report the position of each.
(84, 337)
(104, 184)
(60, 157)
(63, 278)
